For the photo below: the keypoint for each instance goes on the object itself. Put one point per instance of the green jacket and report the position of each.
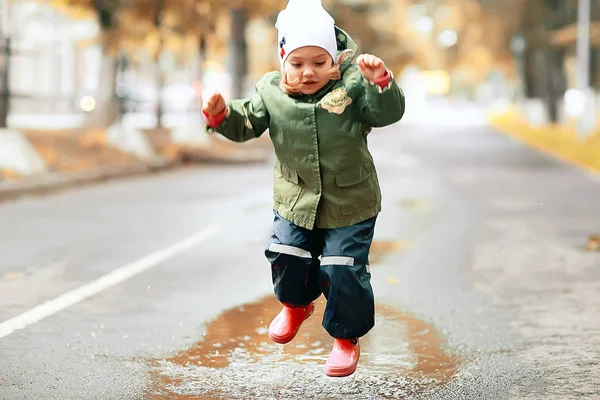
(324, 172)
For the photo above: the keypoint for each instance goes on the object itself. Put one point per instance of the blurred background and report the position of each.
(143, 65)
(151, 57)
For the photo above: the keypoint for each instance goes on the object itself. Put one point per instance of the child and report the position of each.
(319, 110)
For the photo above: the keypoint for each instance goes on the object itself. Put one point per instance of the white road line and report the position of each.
(113, 278)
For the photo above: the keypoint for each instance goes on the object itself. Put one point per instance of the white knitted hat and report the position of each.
(305, 23)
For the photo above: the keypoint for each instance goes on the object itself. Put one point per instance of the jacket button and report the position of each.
(316, 190)
(311, 158)
(307, 121)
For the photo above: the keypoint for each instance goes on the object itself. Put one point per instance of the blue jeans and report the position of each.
(334, 262)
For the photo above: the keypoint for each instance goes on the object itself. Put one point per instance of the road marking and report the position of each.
(113, 278)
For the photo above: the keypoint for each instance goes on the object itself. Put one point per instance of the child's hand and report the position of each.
(215, 104)
(371, 67)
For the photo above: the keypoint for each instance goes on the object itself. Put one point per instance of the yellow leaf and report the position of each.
(593, 243)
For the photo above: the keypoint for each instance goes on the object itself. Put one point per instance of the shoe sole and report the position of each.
(287, 339)
(281, 339)
(340, 372)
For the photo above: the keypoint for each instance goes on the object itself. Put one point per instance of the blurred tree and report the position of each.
(107, 101)
(530, 23)
(5, 55)
(544, 63)
(163, 27)
(107, 13)
(156, 25)
(239, 15)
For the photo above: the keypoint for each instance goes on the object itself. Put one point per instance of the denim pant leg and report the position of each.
(345, 280)
(293, 252)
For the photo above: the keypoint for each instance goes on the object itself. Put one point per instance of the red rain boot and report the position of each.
(286, 324)
(343, 358)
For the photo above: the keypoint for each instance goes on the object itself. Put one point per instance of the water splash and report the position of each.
(400, 357)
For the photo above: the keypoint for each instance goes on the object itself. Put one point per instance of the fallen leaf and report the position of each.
(414, 204)
(380, 249)
(593, 243)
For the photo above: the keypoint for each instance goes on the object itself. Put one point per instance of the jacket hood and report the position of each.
(345, 43)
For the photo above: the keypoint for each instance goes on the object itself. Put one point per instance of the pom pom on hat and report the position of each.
(305, 23)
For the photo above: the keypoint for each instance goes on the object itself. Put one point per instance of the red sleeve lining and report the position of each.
(212, 121)
(384, 80)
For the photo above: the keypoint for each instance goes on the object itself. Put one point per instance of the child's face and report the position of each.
(308, 66)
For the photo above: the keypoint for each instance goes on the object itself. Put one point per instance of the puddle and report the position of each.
(400, 357)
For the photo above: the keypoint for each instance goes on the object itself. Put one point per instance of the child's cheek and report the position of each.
(289, 73)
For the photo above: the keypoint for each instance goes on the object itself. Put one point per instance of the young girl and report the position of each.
(319, 110)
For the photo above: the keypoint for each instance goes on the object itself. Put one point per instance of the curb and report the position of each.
(52, 182)
(198, 155)
(558, 141)
(166, 154)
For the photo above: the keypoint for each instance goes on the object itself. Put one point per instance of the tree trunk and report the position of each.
(557, 81)
(594, 78)
(238, 57)
(160, 83)
(545, 79)
(107, 103)
(202, 50)
(4, 83)
(123, 94)
(552, 81)
(160, 73)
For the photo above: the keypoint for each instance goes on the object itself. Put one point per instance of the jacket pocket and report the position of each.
(356, 189)
(289, 173)
(288, 186)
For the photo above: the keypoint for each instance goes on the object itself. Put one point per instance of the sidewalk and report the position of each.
(560, 141)
(58, 159)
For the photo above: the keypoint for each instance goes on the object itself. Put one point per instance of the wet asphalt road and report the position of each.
(483, 287)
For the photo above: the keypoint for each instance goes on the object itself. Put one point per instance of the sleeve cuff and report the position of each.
(384, 80)
(212, 121)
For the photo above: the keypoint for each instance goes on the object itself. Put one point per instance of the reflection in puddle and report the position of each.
(236, 360)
